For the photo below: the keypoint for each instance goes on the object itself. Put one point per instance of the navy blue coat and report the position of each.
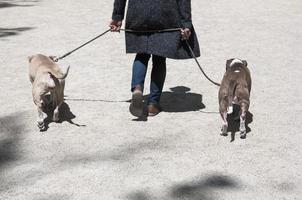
(144, 15)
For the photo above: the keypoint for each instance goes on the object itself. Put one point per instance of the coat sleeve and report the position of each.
(118, 10)
(185, 12)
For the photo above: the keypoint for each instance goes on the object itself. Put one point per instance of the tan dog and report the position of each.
(46, 77)
(235, 89)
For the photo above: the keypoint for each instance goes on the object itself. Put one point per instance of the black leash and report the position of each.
(67, 54)
(143, 31)
(151, 31)
(98, 100)
(193, 55)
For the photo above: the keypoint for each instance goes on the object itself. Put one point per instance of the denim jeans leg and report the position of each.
(158, 76)
(139, 70)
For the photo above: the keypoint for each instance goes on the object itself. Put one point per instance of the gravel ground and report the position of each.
(100, 151)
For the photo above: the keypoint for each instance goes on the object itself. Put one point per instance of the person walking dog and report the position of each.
(156, 28)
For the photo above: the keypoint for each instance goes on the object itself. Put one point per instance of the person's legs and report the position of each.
(158, 76)
(139, 71)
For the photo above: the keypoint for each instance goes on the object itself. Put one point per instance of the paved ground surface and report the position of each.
(100, 151)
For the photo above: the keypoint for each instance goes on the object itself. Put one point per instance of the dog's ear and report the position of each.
(228, 63)
(30, 58)
(244, 63)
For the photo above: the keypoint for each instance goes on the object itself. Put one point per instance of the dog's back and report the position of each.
(239, 73)
(40, 64)
(236, 82)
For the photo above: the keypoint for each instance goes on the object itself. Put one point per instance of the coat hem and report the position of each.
(158, 54)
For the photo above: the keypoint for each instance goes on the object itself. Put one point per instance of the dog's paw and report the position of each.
(41, 125)
(224, 130)
(55, 117)
(242, 127)
(242, 131)
(243, 135)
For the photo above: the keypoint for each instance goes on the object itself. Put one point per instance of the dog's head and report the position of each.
(235, 63)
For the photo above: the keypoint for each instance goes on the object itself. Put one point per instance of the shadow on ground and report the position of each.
(180, 99)
(204, 188)
(65, 115)
(16, 3)
(125, 152)
(14, 31)
(11, 128)
(7, 32)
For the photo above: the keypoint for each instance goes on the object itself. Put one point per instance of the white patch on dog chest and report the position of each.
(230, 110)
(237, 71)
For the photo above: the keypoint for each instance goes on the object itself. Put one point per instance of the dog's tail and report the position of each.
(59, 75)
(231, 93)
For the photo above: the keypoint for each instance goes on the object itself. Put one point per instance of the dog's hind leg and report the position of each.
(223, 107)
(58, 95)
(224, 127)
(244, 108)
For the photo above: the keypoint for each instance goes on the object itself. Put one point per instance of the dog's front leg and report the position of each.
(55, 117)
(40, 119)
(56, 105)
(41, 115)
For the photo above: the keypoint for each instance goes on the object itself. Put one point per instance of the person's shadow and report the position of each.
(65, 114)
(180, 100)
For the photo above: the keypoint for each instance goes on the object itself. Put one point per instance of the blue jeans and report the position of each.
(158, 75)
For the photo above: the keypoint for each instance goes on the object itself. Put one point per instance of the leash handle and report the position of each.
(67, 54)
(193, 55)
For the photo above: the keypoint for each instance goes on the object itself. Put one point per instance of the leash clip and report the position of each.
(54, 58)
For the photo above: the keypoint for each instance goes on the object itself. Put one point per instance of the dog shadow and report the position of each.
(65, 115)
(234, 122)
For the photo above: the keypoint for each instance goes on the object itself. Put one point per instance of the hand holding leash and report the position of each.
(185, 33)
(115, 26)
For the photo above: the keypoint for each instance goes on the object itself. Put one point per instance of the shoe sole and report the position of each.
(152, 114)
(137, 107)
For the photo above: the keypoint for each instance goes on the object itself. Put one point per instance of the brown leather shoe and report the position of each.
(153, 110)
(137, 106)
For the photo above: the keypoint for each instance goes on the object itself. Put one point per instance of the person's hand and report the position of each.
(185, 33)
(115, 25)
